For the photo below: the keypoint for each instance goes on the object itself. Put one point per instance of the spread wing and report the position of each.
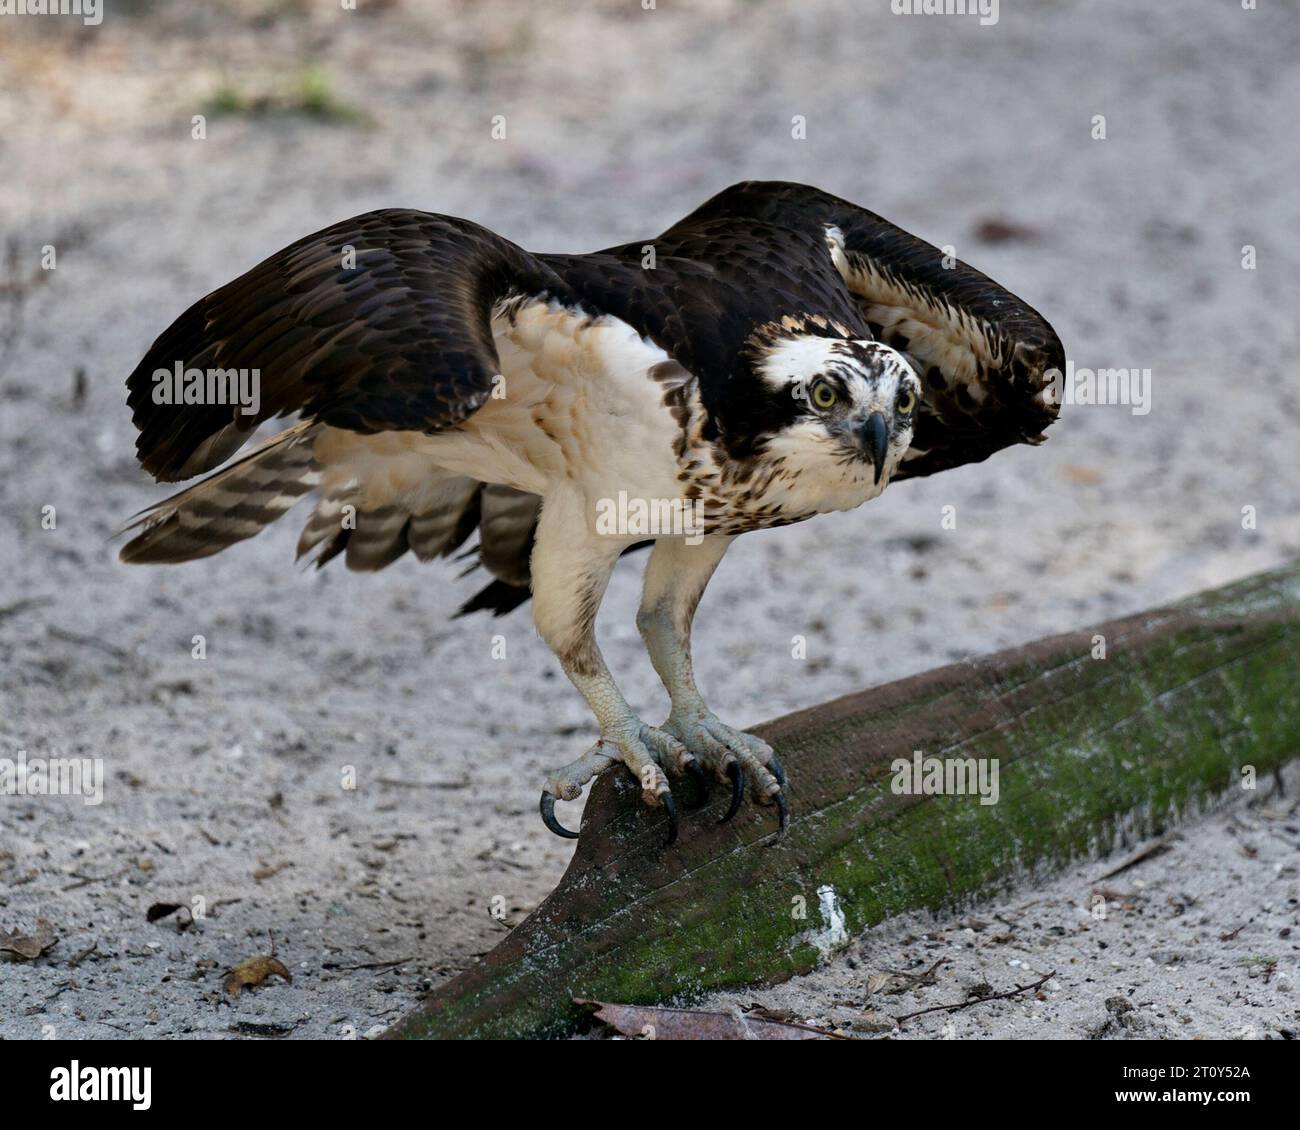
(986, 358)
(380, 322)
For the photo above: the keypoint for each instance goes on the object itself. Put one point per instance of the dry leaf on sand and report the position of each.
(29, 946)
(690, 1024)
(251, 973)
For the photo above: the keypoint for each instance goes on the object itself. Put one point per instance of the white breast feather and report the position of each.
(576, 406)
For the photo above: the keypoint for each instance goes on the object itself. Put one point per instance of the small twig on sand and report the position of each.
(336, 968)
(394, 782)
(1138, 857)
(256, 1028)
(90, 641)
(86, 880)
(21, 606)
(927, 976)
(828, 1033)
(83, 955)
(978, 1000)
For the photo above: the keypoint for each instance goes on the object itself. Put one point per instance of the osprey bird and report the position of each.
(777, 354)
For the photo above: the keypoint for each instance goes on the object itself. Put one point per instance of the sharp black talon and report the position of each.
(548, 818)
(696, 770)
(777, 771)
(783, 811)
(737, 775)
(670, 807)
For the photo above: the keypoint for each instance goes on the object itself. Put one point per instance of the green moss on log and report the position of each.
(1092, 754)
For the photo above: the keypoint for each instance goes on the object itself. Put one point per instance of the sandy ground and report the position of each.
(225, 775)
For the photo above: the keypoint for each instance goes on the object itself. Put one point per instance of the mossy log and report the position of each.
(1188, 703)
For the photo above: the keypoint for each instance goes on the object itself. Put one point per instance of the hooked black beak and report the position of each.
(872, 437)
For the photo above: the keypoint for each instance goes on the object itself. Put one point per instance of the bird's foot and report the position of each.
(651, 754)
(736, 757)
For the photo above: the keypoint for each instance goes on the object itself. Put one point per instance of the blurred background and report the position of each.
(224, 773)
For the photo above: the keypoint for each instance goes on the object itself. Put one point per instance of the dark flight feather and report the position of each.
(402, 340)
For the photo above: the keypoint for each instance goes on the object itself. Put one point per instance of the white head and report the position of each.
(850, 407)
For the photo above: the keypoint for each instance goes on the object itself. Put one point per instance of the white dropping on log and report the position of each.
(832, 934)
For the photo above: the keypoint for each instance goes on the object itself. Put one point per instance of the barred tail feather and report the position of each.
(509, 521)
(233, 504)
(374, 538)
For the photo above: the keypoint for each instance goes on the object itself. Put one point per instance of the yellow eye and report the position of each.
(906, 401)
(823, 396)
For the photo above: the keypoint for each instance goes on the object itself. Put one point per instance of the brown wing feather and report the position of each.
(401, 340)
(986, 357)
